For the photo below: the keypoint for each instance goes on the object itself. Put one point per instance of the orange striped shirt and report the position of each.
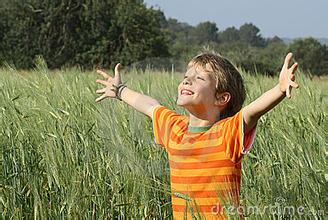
(205, 167)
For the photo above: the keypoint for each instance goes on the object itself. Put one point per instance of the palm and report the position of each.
(109, 83)
(287, 76)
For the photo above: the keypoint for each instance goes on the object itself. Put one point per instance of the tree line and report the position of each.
(88, 33)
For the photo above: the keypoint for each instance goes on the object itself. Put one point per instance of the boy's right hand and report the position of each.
(109, 82)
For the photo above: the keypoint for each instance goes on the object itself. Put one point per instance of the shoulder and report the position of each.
(163, 113)
(231, 121)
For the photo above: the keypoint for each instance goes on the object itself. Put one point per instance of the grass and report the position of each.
(63, 155)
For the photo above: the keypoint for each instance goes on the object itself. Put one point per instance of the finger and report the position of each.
(99, 91)
(113, 89)
(293, 68)
(288, 59)
(103, 82)
(103, 73)
(118, 69)
(288, 92)
(294, 84)
(101, 98)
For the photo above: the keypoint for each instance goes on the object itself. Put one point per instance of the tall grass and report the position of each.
(63, 155)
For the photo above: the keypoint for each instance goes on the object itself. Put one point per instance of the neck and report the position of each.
(203, 117)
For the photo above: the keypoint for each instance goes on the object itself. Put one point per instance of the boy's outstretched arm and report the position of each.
(271, 98)
(140, 102)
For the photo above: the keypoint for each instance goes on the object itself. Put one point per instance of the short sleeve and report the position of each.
(236, 142)
(164, 120)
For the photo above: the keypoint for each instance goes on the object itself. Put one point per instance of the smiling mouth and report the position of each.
(186, 92)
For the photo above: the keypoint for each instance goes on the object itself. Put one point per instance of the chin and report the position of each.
(180, 102)
(183, 103)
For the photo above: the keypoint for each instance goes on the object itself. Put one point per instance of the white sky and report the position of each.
(285, 18)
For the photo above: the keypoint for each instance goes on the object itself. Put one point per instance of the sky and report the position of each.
(284, 18)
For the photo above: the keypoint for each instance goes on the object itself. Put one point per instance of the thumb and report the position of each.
(117, 76)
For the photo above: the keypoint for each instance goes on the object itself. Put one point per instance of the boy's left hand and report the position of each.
(287, 76)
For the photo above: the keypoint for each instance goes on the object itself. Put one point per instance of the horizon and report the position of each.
(293, 20)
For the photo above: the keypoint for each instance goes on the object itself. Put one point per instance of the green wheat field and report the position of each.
(65, 156)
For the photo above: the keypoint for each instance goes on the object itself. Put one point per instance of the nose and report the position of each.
(186, 81)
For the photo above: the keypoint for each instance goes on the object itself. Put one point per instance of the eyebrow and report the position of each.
(204, 73)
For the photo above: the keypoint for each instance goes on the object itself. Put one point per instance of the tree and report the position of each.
(206, 32)
(140, 32)
(249, 33)
(231, 34)
(180, 38)
(275, 39)
(83, 32)
(19, 41)
(311, 55)
(2, 32)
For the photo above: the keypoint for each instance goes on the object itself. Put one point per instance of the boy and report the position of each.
(205, 149)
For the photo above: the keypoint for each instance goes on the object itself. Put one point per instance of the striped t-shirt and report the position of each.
(205, 167)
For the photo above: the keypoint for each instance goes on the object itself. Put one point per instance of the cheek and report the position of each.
(179, 87)
(207, 94)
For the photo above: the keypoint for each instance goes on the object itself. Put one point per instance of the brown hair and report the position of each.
(228, 79)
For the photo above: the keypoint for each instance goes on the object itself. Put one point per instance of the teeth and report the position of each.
(186, 92)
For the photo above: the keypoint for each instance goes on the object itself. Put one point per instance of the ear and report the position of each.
(222, 99)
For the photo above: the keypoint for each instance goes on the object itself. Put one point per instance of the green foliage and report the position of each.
(267, 60)
(101, 33)
(311, 55)
(205, 32)
(250, 34)
(231, 34)
(141, 35)
(247, 34)
(81, 32)
(2, 31)
(64, 156)
(244, 46)
(180, 39)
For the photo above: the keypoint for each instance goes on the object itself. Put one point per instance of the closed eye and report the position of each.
(198, 77)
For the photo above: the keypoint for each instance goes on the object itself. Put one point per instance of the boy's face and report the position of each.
(197, 89)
